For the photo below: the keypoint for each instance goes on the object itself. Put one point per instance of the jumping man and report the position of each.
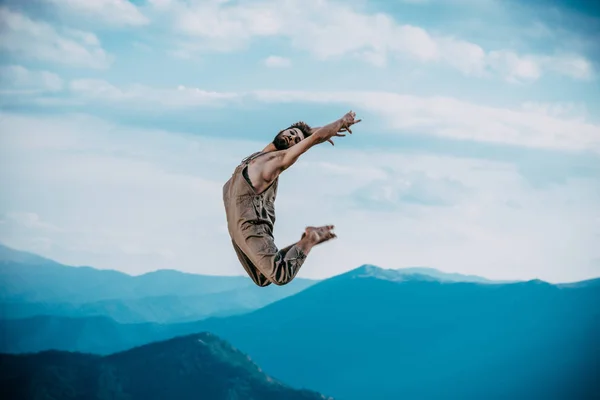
(249, 198)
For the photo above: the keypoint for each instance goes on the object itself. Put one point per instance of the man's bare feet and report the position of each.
(317, 235)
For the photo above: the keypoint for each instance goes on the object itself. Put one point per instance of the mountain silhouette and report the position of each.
(199, 366)
(31, 285)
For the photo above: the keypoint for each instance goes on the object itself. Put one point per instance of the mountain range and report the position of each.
(31, 285)
(384, 334)
(199, 366)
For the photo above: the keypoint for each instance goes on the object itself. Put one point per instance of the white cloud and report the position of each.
(328, 29)
(277, 62)
(394, 192)
(468, 58)
(95, 88)
(162, 4)
(526, 125)
(331, 29)
(453, 118)
(37, 40)
(87, 192)
(16, 79)
(29, 220)
(109, 12)
(572, 111)
(514, 67)
(574, 66)
(139, 96)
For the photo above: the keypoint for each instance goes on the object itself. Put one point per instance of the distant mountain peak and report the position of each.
(367, 269)
(9, 254)
(538, 281)
(413, 274)
(372, 271)
(203, 342)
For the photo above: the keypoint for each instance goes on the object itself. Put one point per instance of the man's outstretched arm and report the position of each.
(286, 158)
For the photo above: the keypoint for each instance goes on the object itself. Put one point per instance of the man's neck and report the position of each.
(270, 147)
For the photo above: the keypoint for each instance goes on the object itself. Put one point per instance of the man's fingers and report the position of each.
(331, 141)
(357, 121)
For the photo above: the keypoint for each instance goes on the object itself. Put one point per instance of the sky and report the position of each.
(478, 153)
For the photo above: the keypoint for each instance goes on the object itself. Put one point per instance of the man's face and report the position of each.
(292, 136)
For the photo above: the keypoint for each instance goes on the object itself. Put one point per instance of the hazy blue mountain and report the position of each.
(100, 335)
(199, 366)
(31, 285)
(418, 337)
(8, 254)
(38, 279)
(586, 283)
(165, 309)
(415, 273)
(368, 334)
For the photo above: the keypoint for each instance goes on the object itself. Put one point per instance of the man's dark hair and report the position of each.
(281, 144)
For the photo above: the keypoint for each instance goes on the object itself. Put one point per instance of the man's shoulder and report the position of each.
(263, 156)
(251, 157)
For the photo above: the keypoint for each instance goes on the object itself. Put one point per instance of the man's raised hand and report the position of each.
(348, 120)
(345, 123)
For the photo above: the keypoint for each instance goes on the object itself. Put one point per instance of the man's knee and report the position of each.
(269, 260)
(282, 282)
(271, 271)
(283, 271)
(263, 282)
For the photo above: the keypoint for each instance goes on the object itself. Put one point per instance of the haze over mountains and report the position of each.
(382, 334)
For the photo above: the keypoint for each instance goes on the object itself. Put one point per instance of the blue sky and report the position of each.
(479, 150)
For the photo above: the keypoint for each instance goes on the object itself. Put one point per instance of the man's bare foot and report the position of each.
(317, 235)
(312, 236)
